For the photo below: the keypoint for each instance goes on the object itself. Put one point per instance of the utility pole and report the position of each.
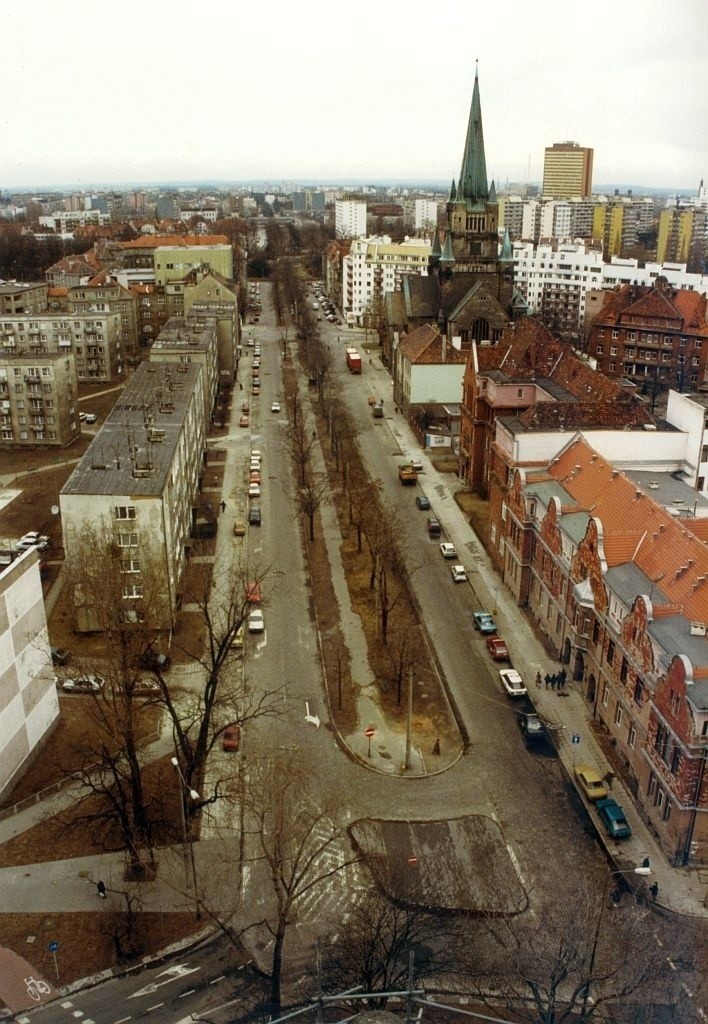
(409, 720)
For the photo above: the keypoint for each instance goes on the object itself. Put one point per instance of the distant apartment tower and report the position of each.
(683, 233)
(426, 215)
(567, 171)
(38, 395)
(349, 218)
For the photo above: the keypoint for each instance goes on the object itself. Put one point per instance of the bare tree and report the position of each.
(580, 961)
(300, 842)
(372, 949)
(402, 653)
(300, 439)
(311, 495)
(198, 721)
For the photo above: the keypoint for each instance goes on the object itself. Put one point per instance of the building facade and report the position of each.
(567, 170)
(620, 588)
(93, 339)
(555, 280)
(375, 266)
(17, 298)
(38, 400)
(656, 337)
(349, 218)
(133, 492)
(29, 709)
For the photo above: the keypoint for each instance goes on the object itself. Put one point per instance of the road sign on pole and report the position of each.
(369, 732)
(53, 947)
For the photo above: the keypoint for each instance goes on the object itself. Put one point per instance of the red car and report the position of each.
(497, 648)
(231, 737)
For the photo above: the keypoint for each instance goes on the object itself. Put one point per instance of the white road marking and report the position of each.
(220, 978)
(189, 992)
(155, 1007)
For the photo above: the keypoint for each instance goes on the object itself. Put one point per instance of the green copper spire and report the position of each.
(473, 174)
(453, 191)
(436, 250)
(507, 253)
(447, 254)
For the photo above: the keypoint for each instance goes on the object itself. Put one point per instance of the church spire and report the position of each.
(473, 174)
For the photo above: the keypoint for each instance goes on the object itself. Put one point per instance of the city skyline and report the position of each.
(318, 96)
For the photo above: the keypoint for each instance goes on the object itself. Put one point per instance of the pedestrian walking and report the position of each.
(654, 890)
(538, 680)
(563, 675)
(609, 779)
(223, 506)
(436, 748)
(554, 681)
(548, 680)
(101, 890)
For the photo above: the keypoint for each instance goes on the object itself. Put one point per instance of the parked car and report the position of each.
(484, 622)
(245, 420)
(590, 782)
(459, 574)
(33, 540)
(231, 738)
(447, 550)
(245, 407)
(256, 390)
(60, 655)
(275, 407)
(433, 526)
(91, 417)
(237, 638)
(256, 622)
(154, 660)
(239, 528)
(253, 593)
(532, 728)
(422, 502)
(512, 682)
(83, 684)
(144, 686)
(254, 490)
(254, 476)
(254, 465)
(497, 648)
(254, 516)
(256, 453)
(613, 818)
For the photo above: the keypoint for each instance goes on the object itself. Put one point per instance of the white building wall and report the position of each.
(29, 706)
(349, 218)
(440, 383)
(691, 417)
(426, 214)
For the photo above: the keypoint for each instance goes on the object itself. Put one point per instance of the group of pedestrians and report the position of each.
(556, 681)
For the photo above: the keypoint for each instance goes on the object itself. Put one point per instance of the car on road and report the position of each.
(83, 684)
(512, 682)
(244, 421)
(422, 502)
(256, 364)
(590, 782)
(237, 638)
(253, 593)
(416, 464)
(256, 453)
(484, 622)
(82, 417)
(60, 655)
(245, 407)
(497, 648)
(613, 818)
(254, 516)
(447, 550)
(231, 738)
(145, 686)
(256, 622)
(255, 390)
(532, 727)
(275, 407)
(459, 574)
(254, 490)
(91, 417)
(254, 476)
(239, 528)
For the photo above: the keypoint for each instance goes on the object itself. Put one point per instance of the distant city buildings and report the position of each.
(567, 171)
(375, 266)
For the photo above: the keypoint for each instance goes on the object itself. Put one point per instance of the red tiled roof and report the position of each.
(424, 346)
(636, 529)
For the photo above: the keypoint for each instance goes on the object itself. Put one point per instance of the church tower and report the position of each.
(471, 236)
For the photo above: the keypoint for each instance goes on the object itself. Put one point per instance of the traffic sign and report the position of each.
(369, 731)
(53, 946)
(575, 738)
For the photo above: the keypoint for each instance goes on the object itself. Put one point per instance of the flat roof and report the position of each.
(134, 449)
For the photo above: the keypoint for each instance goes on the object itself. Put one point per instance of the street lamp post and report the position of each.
(644, 869)
(188, 847)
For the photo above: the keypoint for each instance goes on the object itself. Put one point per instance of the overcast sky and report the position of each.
(323, 91)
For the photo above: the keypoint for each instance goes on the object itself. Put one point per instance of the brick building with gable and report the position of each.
(619, 587)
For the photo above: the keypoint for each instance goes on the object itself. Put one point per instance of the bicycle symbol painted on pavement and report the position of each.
(36, 988)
